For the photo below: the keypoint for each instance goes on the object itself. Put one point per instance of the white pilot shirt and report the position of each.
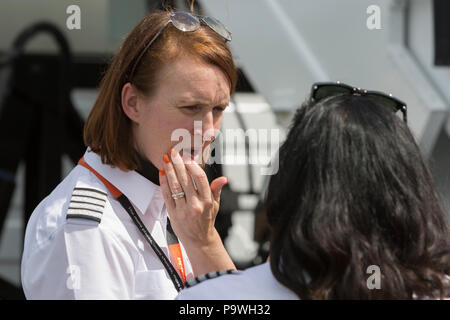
(256, 283)
(76, 258)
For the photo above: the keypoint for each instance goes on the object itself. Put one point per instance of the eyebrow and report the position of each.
(199, 102)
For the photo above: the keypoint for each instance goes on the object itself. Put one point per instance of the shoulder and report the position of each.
(208, 276)
(77, 215)
(199, 287)
(86, 198)
(87, 202)
(253, 283)
(79, 199)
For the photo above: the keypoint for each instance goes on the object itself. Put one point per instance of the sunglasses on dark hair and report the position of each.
(322, 90)
(186, 22)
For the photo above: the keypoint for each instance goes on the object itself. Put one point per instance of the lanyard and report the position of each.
(172, 239)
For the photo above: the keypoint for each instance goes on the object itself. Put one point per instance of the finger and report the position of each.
(188, 160)
(216, 187)
(182, 175)
(167, 195)
(200, 179)
(174, 184)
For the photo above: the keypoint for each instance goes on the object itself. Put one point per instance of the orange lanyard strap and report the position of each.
(174, 245)
(175, 249)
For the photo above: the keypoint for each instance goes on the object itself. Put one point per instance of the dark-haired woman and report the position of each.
(353, 210)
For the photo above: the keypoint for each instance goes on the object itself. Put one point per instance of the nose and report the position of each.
(209, 122)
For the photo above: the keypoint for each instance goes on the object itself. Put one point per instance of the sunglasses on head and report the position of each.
(322, 90)
(186, 22)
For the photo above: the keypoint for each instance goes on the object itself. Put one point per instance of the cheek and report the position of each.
(217, 124)
(181, 130)
(156, 123)
(162, 130)
(168, 129)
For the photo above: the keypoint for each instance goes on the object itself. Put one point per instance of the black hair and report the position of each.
(353, 191)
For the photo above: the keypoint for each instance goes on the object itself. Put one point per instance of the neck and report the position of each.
(147, 170)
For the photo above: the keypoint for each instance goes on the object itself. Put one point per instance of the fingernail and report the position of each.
(162, 172)
(227, 180)
(166, 158)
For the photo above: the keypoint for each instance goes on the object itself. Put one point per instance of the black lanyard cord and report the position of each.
(126, 204)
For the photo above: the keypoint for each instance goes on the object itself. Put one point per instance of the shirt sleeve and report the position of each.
(80, 261)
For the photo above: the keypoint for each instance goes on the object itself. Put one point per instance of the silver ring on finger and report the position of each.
(178, 195)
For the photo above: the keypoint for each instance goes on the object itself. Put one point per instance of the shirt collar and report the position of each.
(136, 188)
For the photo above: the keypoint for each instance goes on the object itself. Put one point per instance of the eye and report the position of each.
(220, 109)
(190, 108)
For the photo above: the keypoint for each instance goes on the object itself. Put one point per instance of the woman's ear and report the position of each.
(130, 102)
